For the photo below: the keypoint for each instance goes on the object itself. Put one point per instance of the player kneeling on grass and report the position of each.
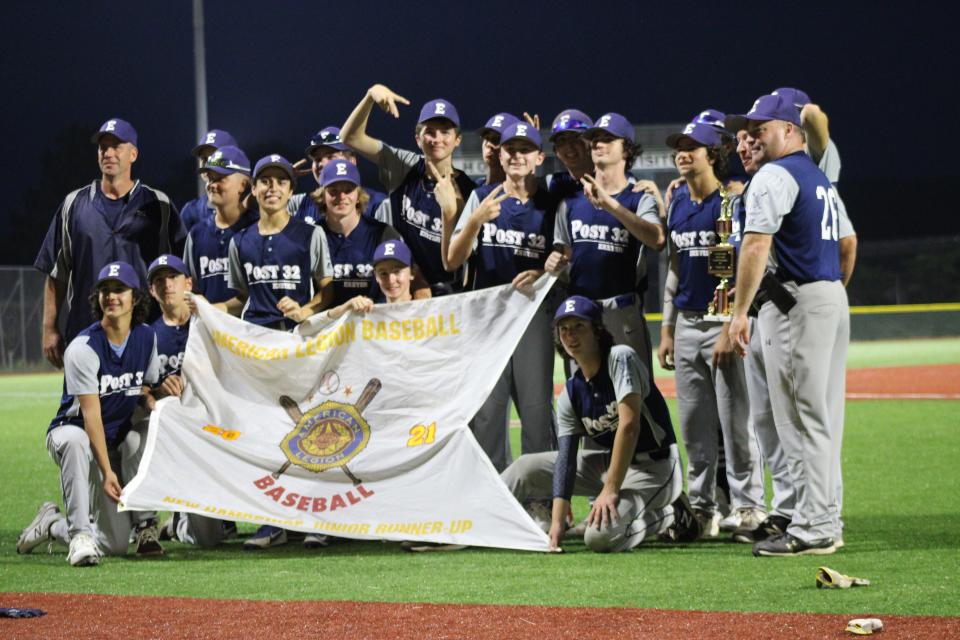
(106, 370)
(634, 471)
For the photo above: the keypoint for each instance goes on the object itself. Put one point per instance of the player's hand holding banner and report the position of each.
(358, 430)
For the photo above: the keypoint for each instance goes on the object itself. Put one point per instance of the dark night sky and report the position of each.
(278, 71)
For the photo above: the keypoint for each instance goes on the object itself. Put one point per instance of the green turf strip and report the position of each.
(902, 512)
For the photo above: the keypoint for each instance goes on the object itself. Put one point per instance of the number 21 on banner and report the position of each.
(422, 434)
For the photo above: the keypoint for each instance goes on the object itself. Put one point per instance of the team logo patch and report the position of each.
(329, 435)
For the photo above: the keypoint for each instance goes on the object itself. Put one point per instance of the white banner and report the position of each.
(358, 430)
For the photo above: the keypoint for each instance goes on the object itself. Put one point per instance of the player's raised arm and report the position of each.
(649, 233)
(354, 131)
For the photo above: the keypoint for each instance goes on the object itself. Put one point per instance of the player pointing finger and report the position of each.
(387, 99)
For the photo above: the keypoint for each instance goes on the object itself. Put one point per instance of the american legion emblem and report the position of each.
(328, 436)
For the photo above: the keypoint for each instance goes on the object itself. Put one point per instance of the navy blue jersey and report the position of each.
(197, 210)
(304, 207)
(594, 403)
(269, 267)
(692, 228)
(171, 343)
(352, 257)
(91, 366)
(206, 254)
(413, 211)
(376, 199)
(792, 200)
(606, 260)
(562, 185)
(519, 239)
(88, 232)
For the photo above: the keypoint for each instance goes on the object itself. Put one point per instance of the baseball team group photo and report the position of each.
(519, 365)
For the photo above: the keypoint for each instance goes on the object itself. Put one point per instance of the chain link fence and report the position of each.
(21, 313)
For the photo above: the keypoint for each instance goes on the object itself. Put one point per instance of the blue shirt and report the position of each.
(171, 343)
(86, 234)
(206, 254)
(197, 210)
(91, 366)
(792, 200)
(692, 229)
(519, 239)
(352, 257)
(268, 267)
(562, 185)
(606, 259)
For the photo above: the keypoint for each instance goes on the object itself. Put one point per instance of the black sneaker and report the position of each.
(148, 543)
(786, 545)
(770, 527)
(686, 526)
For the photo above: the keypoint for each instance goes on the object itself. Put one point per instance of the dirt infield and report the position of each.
(940, 381)
(86, 616)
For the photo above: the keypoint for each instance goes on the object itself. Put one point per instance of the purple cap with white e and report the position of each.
(166, 261)
(393, 250)
(326, 137)
(710, 117)
(339, 171)
(570, 120)
(798, 97)
(120, 129)
(614, 124)
(227, 160)
(521, 131)
(765, 108)
(496, 124)
(703, 134)
(578, 307)
(275, 160)
(121, 272)
(215, 138)
(439, 108)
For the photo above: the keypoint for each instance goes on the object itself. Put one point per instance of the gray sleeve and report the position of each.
(152, 375)
(627, 373)
(80, 368)
(830, 161)
(320, 265)
(647, 209)
(394, 165)
(384, 212)
(294, 202)
(771, 196)
(567, 422)
(845, 226)
(237, 276)
(561, 230)
(473, 201)
(389, 233)
(188, 260)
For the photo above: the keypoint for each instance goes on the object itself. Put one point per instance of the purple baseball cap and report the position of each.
(496, 124)
(710, 117)
(614, 124)
(119, 129)
(703, 134)
(393, 250)
(339, 171)
(226, 160)
(166, 261)
(578, 307)
(570, 120)
(769, 107)
(326, 137)
(215, 138)
(796, 96)
(121, 272)
(521, 131)
(439, 108)
(278, 161)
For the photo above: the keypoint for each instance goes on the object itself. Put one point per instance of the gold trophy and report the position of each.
(722, 263)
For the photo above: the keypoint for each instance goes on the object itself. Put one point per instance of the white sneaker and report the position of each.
(731, 522)
(83, 551)
(750, 518)
(315, 541)
(709, 522)
(38, 531)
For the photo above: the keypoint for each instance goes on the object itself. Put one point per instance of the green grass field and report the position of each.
(902, 512)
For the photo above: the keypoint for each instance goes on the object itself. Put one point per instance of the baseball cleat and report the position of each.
(83, 551)
(743, 519)
(168, 530)
(772, 526)
(709, 523)
(38, 531)
(315, 541)
(788, 545)
(686, 526)
(229, 530)
(265, 537)
(148, 542)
